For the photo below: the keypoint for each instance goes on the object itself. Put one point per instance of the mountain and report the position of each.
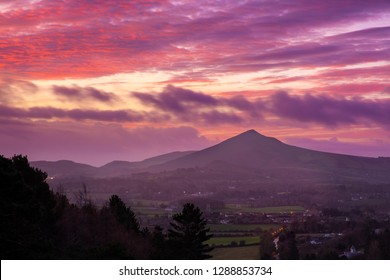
(260, 153)
(245, 154)
(71, 169)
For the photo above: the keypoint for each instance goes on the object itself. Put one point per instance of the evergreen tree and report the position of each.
(27, 211)
(287, 246)
(124, 215)
(188, 233)
(159, 244)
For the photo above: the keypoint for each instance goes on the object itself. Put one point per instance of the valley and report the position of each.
(247, 187)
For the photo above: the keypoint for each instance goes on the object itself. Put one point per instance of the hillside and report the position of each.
(248, 152)
(256, 152)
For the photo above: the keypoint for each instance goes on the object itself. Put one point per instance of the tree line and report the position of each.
(36, 223)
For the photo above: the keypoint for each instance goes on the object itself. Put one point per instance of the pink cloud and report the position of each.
(92, 38)
(203, 41)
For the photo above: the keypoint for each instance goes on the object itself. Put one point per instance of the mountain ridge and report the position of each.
(249, 150)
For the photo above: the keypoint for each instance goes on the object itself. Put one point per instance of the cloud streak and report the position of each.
(78, 93)
(178, 100)
(89, 38)
(328, 110)
(48, 113)
(309, 108)
(188, 105)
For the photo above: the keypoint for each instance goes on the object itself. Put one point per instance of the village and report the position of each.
(319, 233)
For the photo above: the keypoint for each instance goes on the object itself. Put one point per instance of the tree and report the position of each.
(188, 233)
(27, 211)
(267, 246)
(124, 215)
(287, 246)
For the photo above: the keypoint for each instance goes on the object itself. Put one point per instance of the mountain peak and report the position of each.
(250, 131)
(253, 134)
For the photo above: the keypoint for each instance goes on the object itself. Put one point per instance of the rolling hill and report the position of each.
(247, 152)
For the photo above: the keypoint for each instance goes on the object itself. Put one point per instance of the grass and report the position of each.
(241, 227)
(236, 253)
(225, 241)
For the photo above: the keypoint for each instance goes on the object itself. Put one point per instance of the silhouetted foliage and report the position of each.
(189, 233)
(287, 247)
(159, 244)
(38, 224)
(124, 215)
(267, 246)
(27, 210)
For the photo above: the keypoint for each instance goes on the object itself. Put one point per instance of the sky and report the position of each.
(97, 80)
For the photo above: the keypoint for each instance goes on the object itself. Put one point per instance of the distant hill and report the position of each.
(65, 168)
(247, 152)
(257, 152)
(120, 168)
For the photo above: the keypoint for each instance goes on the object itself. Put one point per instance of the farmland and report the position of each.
(240, 227)
(236, 253)
(243, 208)
(229, 240)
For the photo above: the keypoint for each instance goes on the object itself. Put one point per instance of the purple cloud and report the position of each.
(78, 93)
(190, 106)
(216, 117)
(75, 114)
(178, 100)
(329, 110)
(241, 103)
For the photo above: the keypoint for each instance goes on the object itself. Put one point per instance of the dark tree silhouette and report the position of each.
(287, 246)
(188, 233)
(26, 210)
(124, 215)
(159, 244)
(267, 246)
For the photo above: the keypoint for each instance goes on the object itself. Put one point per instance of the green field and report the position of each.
(266, 210)
(236, 253)
(241, 227)
(226, 241)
